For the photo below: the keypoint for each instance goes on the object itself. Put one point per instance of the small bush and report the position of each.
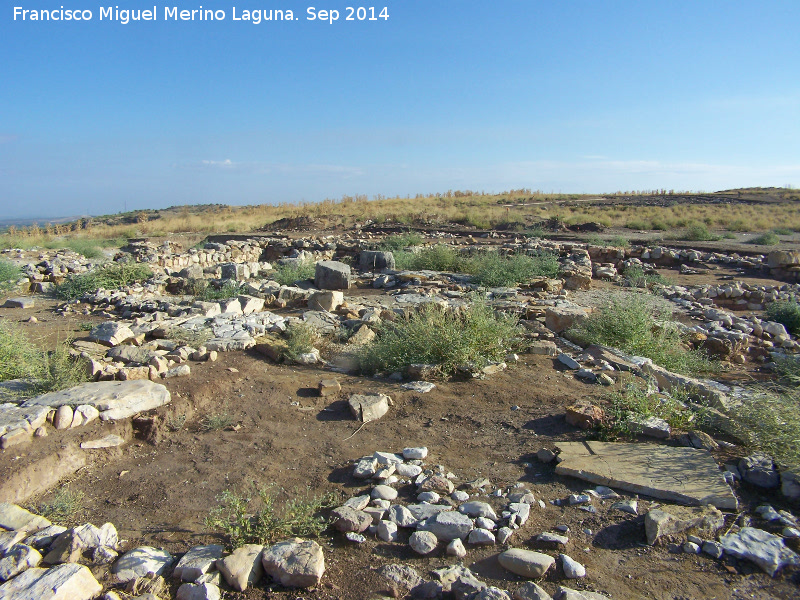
(638, 278)
(617, 241)
(492, 270)
(698, 232)
(766, 239)
(289, 274)
(770, 421)
(229, 289)
(301, 338)
(434, 258)
(63, 507)
(86, 247)
(400, 241)
(9, 273)
(216, 421)
(189, 337)
(640, 324)
(634, 402)
(441, 337)
(110, 276)
(256, 517)
(19, 359)
(59, 370)
(786, 312)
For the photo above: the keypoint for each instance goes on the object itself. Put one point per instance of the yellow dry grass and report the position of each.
(518, 209)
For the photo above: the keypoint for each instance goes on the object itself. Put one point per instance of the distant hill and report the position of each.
(27, 222)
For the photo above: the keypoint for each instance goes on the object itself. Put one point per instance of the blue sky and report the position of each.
(578, 96)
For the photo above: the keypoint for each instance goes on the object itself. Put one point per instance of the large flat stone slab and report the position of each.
(684, 475)
(114, 399)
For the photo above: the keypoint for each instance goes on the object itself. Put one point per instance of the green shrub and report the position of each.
(216, 421)
(209, 293)
(59, 370)
(63, 507)
(289, 274)
(400, 241)
(786, 312)
(445, 338)
(49, 371)
(766, 239)
(636, 277)
(641, 324)
(634, 402)
(492, 270)
(617, 241)
(86, 247)
(769, 420)
(301, 338)
(434, 258)
(110, 276)
(698, 232)
(256, 516)
(19, 359)
(9, 273)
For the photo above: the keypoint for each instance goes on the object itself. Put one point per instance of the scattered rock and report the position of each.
(196, 562)
(764, 549)
(584, 415)
(423, 542)
(329, 387)
(759, 469)
(447, 525)
(369, 407)
(110, 441)
(140, 562)
(68, 581)
(19, 303)
(242, 568)
(456, 548)
(294, 563)
(668, 521)
(526, 563)
(111, 333)
(685, 475)
(572, 568)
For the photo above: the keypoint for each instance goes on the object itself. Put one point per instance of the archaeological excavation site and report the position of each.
(382, 406)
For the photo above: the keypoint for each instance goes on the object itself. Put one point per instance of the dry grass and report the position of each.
(513, 210)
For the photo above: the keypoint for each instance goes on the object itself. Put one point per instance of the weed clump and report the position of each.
(492, 270)
(769, 238)
(216, 421)
(290, 273)
(47, 371)
(401, 241)
(488, 269)
(446, 338)
(63, 507)
(109, 276)
(256, 516)
(640, 324)
(698, 232)
(434, 258)
(208, 293)
(770, 421)
(637, 277)
(9, 273)
(787, 313)
(634, 403)
(301, 338)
